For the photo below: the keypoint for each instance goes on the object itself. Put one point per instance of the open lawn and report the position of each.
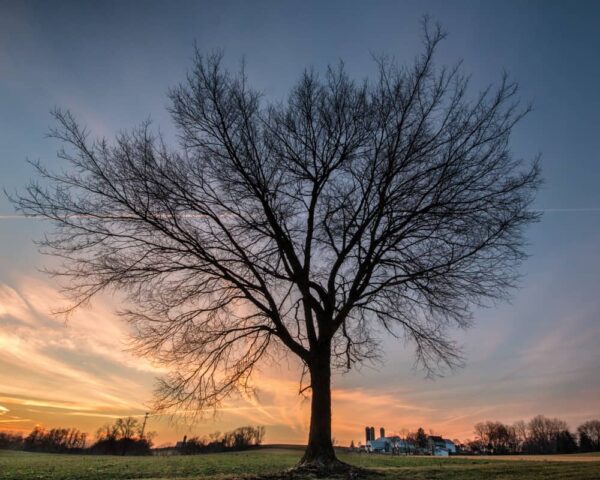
(37, 466)
(575, 457)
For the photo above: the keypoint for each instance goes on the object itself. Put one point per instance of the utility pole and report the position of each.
(144, 426)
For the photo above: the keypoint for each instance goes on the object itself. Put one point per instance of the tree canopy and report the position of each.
(304, 226)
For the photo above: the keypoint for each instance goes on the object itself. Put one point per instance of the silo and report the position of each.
(372, 433)
(382, 432)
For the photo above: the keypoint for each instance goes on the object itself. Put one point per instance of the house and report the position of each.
(440, 447)
(394, 445)
(450, 446)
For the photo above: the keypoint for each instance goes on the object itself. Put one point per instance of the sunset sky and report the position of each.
(111, 64)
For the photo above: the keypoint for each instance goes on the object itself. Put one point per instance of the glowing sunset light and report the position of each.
(535, 354)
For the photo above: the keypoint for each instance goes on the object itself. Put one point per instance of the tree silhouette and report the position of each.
(421, 438)
(303, 227)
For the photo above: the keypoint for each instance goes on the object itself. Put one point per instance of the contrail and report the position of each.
(192, 215)
(583, 209)
(43, 217)
(14, 217)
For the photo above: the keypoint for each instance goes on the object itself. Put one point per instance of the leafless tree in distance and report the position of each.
(302, 227)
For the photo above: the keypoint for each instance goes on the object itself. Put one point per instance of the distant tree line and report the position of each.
(541, 435)
(241, 438)
(11, 441)
(55, 440)
(124, 437)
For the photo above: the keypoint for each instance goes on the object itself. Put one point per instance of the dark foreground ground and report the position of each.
(38, 466)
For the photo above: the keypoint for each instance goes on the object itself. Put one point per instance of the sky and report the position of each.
(112, 63)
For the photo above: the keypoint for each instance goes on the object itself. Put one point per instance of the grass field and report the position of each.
(38, 466)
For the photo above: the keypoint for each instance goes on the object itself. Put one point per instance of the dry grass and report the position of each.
(267, 462)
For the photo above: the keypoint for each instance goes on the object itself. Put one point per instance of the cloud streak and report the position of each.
(78, 374)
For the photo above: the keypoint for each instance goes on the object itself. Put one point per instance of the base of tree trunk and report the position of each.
(323, 466)
(335, 469)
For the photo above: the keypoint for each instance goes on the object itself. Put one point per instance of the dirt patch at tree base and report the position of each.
(339, 471)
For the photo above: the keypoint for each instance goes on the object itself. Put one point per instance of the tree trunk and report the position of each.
(319, 453)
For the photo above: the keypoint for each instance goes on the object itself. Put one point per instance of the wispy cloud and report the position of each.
(62, 368)
(78, 374)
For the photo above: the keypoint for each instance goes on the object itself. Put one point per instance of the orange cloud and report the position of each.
(78, 374)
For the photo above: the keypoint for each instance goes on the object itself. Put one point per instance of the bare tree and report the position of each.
(497, 437)
(589, 435)
(304, 227)
(522, 434)
(544, 434)
(128, 427)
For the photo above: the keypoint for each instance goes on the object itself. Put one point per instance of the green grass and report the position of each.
(38, 466)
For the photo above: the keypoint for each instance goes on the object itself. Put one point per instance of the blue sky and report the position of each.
(112, 63)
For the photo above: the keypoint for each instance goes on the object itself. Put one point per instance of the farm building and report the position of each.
(440, 447)
(437, 445)
(383, 444)
(393, 444)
